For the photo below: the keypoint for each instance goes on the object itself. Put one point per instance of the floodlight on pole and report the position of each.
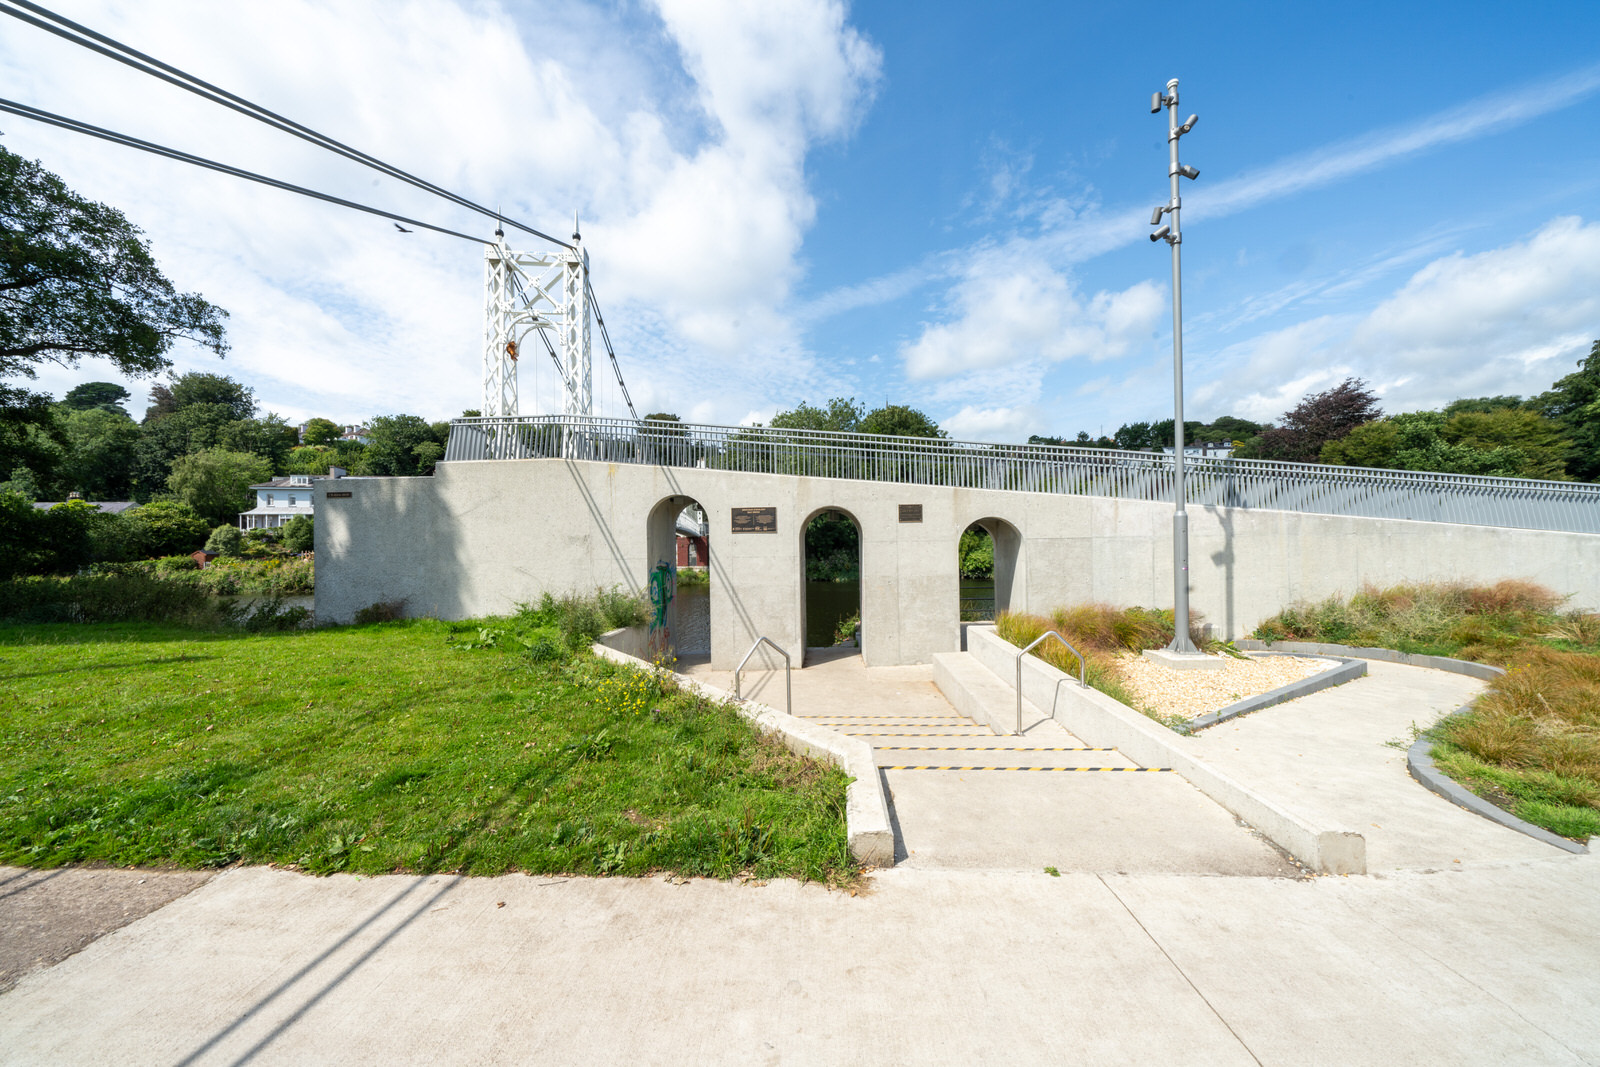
(1173, 235)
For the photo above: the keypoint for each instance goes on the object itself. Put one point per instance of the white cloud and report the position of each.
(1507, 321)
(1010, 310)
(680, 134)
(1001, 424)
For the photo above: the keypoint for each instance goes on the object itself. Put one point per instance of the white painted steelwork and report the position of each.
(526, 292)
(1518, 503)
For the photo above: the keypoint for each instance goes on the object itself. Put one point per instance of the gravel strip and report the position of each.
(1192, 693)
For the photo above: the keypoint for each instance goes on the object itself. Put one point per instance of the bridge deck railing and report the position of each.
(1522, 503)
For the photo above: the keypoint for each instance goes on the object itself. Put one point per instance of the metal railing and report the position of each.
(788, 686)
(1212, 481)
(1037, 641)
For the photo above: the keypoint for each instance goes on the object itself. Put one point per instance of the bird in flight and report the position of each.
(402, 229)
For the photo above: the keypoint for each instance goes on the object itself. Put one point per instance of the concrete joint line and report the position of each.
(867, 824)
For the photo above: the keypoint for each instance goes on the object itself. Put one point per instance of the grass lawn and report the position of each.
(388, 748)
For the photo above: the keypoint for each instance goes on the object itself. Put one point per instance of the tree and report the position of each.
(299, 534)
(101, 445)
(200, 388)
(897, 420)
(311, 459)
(225, 540)
(90, 395)
(321, 432)
(77, 279)
(842, 415)
(1540, 441)
(1316, 420)
(393, 442)
(216, 483)
(1482, 403)
(1507, 443)
(1133, 435)
(166, 528)
(1574, 402)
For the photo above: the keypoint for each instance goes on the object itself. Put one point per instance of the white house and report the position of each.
(282, 499)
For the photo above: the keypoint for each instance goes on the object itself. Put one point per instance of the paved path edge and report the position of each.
(1349, 670)
(867, 825)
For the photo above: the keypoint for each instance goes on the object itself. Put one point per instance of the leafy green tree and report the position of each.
(841, 415)
(216, 483)
(270, 437)
(311, 459)
(321, 432)
(77, 279)
(90, 395)
(166, 528)
(1481, 404)
(197, 387)
(1507, 443)
(1574, 402)
(976, 553)
(1538, 439)
(897, 420)
(101, 444)
(393, 442)
(1229, 428)
(299, 534)
(225, 540)
(1133, 436)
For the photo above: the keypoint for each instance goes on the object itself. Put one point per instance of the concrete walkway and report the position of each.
(1492, 960)
(1054, 815)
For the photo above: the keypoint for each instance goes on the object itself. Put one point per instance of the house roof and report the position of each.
(111, 507)
(293, 481)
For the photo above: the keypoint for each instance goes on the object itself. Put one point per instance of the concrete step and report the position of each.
(973, 690)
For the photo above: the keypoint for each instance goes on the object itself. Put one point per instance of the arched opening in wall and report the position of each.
(679, 582)
(988, 559)
(832, 561)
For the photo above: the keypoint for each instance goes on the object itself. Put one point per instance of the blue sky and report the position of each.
(942, 205)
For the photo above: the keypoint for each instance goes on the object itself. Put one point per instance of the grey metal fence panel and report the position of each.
(1521, 503)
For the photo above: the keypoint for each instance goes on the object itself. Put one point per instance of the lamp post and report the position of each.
(1171, 233)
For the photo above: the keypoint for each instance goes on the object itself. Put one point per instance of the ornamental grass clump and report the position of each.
(1531, 742)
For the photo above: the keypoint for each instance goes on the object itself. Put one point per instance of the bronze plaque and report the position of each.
(342, 495)
(755, 520)
(910, 512)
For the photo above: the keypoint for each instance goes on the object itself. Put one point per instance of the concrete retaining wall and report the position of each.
(1099, 720)
(479, 537)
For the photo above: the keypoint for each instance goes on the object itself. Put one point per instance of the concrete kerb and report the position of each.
(1419, 760)
(871, 836)
(1099, 720)
(1348, 670)
(1481, 671)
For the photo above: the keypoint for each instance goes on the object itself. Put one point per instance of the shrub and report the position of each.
(104, 598)
(298, 534)
(225, 540)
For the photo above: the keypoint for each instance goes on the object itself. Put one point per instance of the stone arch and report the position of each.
(670, 630)
(1010, 588)
(805, 585)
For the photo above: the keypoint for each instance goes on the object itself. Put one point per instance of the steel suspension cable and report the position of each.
(98, 42)
(38, 115)
(605, 336)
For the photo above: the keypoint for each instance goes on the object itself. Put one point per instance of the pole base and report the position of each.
(1183, 661)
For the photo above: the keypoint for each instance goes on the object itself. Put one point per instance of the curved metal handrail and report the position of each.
(1036, 641)
(788, 687)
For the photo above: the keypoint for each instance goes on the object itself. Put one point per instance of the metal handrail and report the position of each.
(1037, 641)
(788, 686)
(1518, 503)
